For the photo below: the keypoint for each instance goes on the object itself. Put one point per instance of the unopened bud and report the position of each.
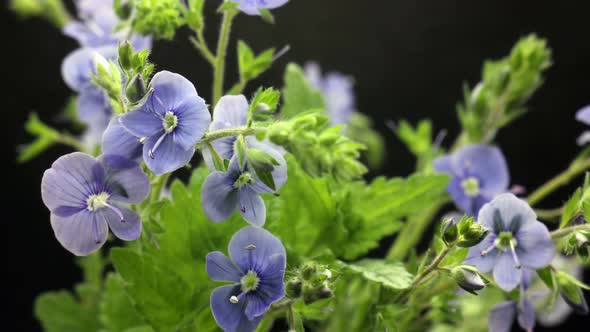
(125, 55)
(448, 231)
(468, 278)
(135, 89)
(123, 8)
(473, 236)
(571, 293)
(313, 294)
(293, 288)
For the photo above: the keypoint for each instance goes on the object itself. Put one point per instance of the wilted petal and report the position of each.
(506, 274)
(125, 179)
(251, 206)
(82, 233)
(118, 141)
(220, 268)
(501, 317)
(142, 123)
(526, 314)
(218, 196)
(535, 248)
(69, 181)
(193, 121)
(251, 246)
(168, 156)
(170, 90)
(128, 229)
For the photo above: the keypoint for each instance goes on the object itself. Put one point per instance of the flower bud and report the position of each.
(125, 55)
(571, 293)
(582, 245)
(135, 89)
(473, 236)
(312, 294)
(123, 8)
(468, 278)
(448, 231)
(293, 288)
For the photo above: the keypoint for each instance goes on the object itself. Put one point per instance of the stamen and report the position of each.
(489, 249)
(234, 299)
(116, 210)
(514, 255)
(158, 142)
(250, 247)
(439, 138)
(281, 52)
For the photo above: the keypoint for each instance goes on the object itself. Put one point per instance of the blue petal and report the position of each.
(193, 121)
(168, 157)
(230, 112)
(509, 207)
(501, 317)
(535, 248)
(220, 268)
(252, 206)
(142, 123)
(487, 163)
(170, 91)
(93, 106)
(218, 196)
(81, 234)
(252, 7)
(526, 314)
(129, 229)
(265, 245)
(78, 66)
(230, 317)
(126, 181)
(583, 115)
(483, 263)
(506, 274)
(118, 141)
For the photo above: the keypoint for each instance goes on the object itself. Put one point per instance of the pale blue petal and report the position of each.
(125, 180)
(487, 163)
(230, 112)
(118, 141)
(483, 263)
(81, 233)
(220, 268)
(251, 206)
(526, 314)
(506, 274)
(168, 157)
(501, 317)
(170, 91)
(583, 115)
(231, 317)
(129, 229)
(265, 245)
(218, 196)
(535, 248)
(142, 123)
(193, 121)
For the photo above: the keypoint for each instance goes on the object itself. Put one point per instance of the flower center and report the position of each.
(95, 202)
(505, 241)
(249, 281)
(169, 122)
(244, 179)
(470, 186)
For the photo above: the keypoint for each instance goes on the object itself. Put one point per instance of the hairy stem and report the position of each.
(158, 186)
(433, 266)
(557, 234)
(549, 214)
(224, 33)
(230, 132)
(561, 179)
(200, 44)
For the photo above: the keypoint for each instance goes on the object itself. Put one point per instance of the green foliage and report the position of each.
(298, 94)
(263, 104)
(360, 129)
(419, 141)
(45, 138)
(159, 18)
(117, 311)
(250, 64)
(505, 87)
(62, 312)
(193, 14)
(52, 10)
(388, 274)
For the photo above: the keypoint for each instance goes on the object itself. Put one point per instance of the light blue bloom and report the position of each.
(253, 7)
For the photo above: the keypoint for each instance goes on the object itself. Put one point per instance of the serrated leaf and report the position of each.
(388, 274)
(117, 311)
(570, 207)
(61, 312)
(298, 94)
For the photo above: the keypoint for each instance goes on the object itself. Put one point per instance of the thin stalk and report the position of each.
(557, 234)
(230, 132)
(67, 139)
(158, 186)
(559, 180)
(200, 44)
(224, 33)
(432, 267)
(549, 214)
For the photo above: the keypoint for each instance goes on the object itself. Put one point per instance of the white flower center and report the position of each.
(470, 186)
(95, 202)
(169, 122)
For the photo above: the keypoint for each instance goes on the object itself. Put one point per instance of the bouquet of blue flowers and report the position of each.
(274, 227)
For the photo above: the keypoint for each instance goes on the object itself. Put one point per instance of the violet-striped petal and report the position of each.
(142, 123)
(501, 317)
(251, 206)
(116, 140)
(220, 268)
(165, 157)
(229, 316)
(82, 233)
(128, 228)
(250, 247)
(219, 197)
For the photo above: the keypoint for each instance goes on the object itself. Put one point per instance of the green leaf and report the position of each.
(61, 312)
(250, 65)
(267, 16)
(45, 138)
(117, 311)
(388, 274)
(298, 94)
(570, 208)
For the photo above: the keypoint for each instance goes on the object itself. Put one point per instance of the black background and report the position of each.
(409, 59)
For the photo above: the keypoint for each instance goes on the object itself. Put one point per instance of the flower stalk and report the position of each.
(561, 179)
(224, 34)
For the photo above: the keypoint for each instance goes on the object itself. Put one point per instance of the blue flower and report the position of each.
(170, 122)
(583, 115)
(116, 140)
(97, 26)
(517, 239)
(256, 270)
(502, 315)
(337, 90)
(253, 7)
(87, 196)
(479, 173)
(239, 189)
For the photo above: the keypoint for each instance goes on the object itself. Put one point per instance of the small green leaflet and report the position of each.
(388, 274)
(298, 94)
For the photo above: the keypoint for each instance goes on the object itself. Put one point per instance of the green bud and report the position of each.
(468, 278)
(448, 231)
(571, 293)
(308, 270)
(293, 288)
(123, 8)
(312, 294)
(135, 89)
(473, 236)
(158, 18)
(125, 55)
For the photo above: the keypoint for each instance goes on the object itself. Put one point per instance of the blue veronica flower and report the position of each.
(239, 189)
(169, 122)
(98, 26)
(87, 196)
(116, 140)
(256, 269)
(232, 112)
(517, 239)
(337, 90)
(502, 315)
(253, 7)
(479, 173)
(583, 115)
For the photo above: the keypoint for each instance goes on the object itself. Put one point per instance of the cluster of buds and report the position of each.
(312, 282)
(465, 233)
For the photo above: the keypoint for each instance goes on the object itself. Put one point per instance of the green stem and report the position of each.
(557, 234)
(230, 132)
(561, 179)
(67, 139)
(291, 318)
(218, 77)
(549, 214)
(411, 233)
(201, 45)
(433, 266)
(158, 186)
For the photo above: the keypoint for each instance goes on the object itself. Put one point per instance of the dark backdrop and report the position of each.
(409, 58)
